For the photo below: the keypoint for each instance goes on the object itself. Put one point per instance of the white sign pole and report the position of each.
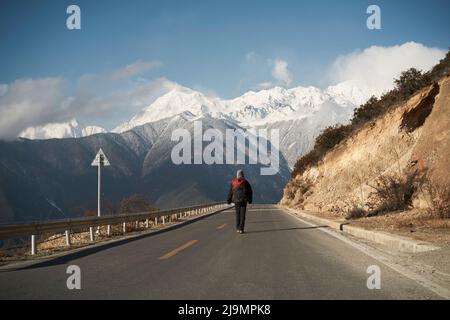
(99, 189)
(99, 161)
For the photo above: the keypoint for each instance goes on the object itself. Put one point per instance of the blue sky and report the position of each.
(219, 47)
(204, 43)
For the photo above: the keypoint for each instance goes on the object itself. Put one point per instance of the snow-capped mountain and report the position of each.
(70, 129)
(352, 91)
(252, 108)
(177, 101)
(299, 113)
(279, 104)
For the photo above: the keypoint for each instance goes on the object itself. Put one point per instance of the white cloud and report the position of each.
(134, 69)
(36, 102)
(265, 85)
(29, 102)
(376, 67)
(281, 72)
(116, 78)
(120, 101)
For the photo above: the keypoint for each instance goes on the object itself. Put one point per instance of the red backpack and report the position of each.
(239, 190)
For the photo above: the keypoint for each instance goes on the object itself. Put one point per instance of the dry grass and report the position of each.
(438, 200)
(391, 192)
(418, 224)
(413, 223)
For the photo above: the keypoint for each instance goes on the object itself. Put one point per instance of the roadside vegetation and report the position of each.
(132, 204)
(390, 191)
(409, 82)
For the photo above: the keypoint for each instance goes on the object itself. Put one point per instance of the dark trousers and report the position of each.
(240, 216)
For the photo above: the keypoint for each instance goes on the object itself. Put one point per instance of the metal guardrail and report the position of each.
(70, 225)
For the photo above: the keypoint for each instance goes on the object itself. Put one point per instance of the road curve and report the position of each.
(279, 257)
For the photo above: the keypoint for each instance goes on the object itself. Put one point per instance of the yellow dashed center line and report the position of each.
(222, 226)
(178, 250)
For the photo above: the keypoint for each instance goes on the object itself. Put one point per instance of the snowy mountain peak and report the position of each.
(176, 101)
(70, 129)
(351, 91)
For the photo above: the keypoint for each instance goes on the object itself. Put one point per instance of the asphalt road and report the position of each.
(279, 257)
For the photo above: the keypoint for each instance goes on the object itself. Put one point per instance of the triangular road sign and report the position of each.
(100, 159)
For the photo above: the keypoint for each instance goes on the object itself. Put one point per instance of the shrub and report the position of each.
(442, 69)
(331, 136)
(391, 193)
(411, 81)
(367, 111)
(308, 159)
(356, 213)
(328, 138)
(134, 204)
(439, 200)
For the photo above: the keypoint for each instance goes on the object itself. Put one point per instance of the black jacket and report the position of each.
(240, 192)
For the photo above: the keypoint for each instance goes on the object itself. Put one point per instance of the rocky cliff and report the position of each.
(410, 142)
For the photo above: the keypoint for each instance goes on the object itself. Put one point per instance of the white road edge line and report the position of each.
(428, 284)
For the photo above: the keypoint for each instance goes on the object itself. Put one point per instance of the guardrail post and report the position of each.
(67, 238)
(91, 234)
(124, 227)
(137, 224)
(33, 244)
(146, 223)
(156, 221)
(163, 219)
(108, 230)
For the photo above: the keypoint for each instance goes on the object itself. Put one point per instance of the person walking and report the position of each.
(240, 194)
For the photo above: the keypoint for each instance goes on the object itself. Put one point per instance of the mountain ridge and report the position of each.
(253, 108)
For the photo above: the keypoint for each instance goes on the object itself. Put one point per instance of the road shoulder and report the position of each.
(423, 266)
